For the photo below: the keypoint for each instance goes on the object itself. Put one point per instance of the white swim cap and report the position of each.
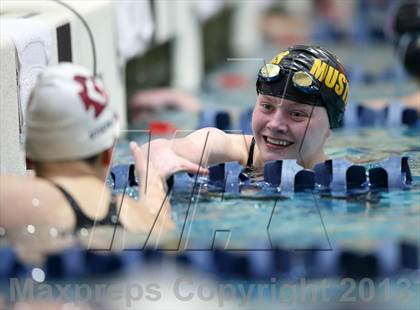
(68, 115)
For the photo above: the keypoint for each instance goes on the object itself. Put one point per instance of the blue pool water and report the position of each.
(306, 220)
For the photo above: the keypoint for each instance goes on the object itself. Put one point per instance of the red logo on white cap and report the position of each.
(92, 94)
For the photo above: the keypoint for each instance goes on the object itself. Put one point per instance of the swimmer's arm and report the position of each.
(216, 146)
(206, 146)
(152, 212)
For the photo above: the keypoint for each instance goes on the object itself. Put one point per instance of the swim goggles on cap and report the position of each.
(301, 80)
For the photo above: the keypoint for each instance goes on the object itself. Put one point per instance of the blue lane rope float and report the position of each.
(215, 118)
(123, 176)
(359, 76)
(394, 114)
(75, 263)
(338, 177)
(245, 121)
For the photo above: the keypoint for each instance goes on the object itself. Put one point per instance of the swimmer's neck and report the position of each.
(69, 169)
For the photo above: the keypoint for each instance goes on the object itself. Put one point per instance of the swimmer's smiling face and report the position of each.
(279, 127)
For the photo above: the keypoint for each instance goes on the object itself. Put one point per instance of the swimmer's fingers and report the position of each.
(139, 158)
(167, 164)
(190, 167)
(133, 147)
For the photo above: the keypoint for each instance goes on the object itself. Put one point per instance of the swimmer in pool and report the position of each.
(71, 130)
(302, 95)
(404, 28)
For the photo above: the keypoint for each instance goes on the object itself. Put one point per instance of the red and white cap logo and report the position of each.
(92, 94)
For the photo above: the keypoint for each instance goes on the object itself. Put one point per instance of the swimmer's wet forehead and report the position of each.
(281, 101)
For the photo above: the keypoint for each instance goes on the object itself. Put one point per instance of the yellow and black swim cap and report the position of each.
(310, 75)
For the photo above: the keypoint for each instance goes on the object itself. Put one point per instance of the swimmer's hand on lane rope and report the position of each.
(163, 160)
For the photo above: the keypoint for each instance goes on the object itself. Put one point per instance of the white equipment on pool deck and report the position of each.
(69, 42)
